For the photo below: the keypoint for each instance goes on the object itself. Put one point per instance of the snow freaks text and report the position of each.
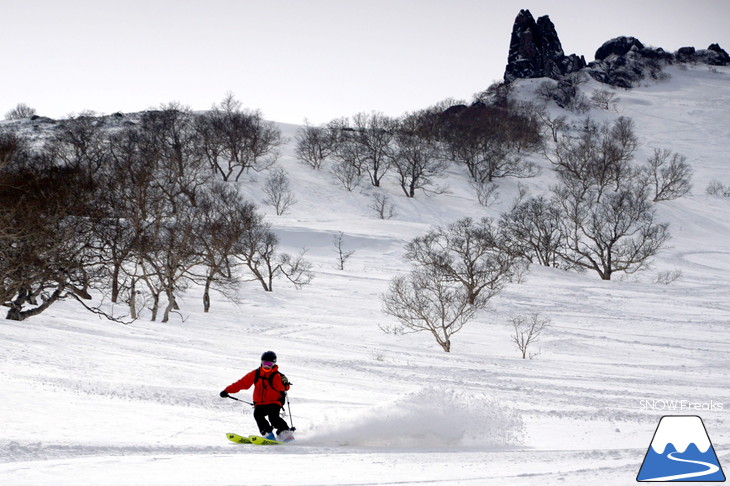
(680, 405)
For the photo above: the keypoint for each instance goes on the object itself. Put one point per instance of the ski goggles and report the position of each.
(268, 364)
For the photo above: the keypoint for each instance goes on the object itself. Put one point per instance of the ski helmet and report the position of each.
(269, 356)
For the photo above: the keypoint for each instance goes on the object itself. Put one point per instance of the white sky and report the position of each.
(292, 59)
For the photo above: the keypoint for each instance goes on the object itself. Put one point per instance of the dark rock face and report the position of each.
(685, 53)
(535, 50)
(618, 47)
(715, 55)
(624, 61)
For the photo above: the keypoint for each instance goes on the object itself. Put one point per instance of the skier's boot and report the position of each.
(285, 436)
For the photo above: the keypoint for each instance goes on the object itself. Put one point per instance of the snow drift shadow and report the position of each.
(427, 418)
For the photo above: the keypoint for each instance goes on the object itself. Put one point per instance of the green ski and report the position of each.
(258, 440)
(239, 439)
(252, 439)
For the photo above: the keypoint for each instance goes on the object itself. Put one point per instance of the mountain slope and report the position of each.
(86, 401)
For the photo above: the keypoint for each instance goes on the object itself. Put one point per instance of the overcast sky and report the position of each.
(292, 59)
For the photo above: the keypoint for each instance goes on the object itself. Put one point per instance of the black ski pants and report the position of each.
(271, 412)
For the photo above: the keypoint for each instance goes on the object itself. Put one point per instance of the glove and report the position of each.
(224, 394)
(284, 379)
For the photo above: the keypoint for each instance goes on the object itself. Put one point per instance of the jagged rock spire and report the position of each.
(535, 50)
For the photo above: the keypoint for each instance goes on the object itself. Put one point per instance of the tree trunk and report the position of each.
(206, 295)
(133, 300)
(171, 304)
(259, 276)
(16, 314)
(115, 283)
(155, 305)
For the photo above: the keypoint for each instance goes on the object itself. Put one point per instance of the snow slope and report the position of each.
(88, 402)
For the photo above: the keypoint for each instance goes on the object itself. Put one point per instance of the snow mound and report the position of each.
(428, 418)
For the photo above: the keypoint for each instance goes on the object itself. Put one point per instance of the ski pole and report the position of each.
(239, 400)
(291, 420)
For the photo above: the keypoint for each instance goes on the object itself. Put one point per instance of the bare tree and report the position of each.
(597, 156)
(383, 207)
(456, 271)
(607, 222)
(80, 143)
(131, 209)
(427, 300)
(605, 99)
(234, 140)
(366, 144)
(617, 231)
(296, 269)
(668, 174)
(278, 191)
(259, 253)
(522, 193)
(172, 147)
(223, 218)
(47, 251)
(487, 192)
(621, 144)
(342, 254)
(349, 155)
(490, 141)
(554, 125)
(527, 331)
(169, 175)
(132, 198)
(533, 230)
(20, 112)
(717, 188)
(566, 92)
(80, 140)
(468, 253)
(12, 145)
(499, 93)
(347, 173)
(417, 155)
(165, 227)
(315, 144)
(211, 128)
(172, 254)
(667, 277)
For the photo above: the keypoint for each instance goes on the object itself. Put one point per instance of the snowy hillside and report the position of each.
(84, 401)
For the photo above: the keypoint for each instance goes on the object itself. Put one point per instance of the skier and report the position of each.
(269, 394)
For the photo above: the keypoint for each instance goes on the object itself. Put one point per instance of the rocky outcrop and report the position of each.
(619, 46)
(714, 55)
(624, 61)
(535, 51)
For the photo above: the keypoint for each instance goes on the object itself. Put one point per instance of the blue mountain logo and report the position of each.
(681, 451)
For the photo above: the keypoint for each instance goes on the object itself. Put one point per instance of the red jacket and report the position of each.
(267, 389)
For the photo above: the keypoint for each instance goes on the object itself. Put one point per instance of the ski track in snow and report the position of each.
(85, 401)
(325, 467)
